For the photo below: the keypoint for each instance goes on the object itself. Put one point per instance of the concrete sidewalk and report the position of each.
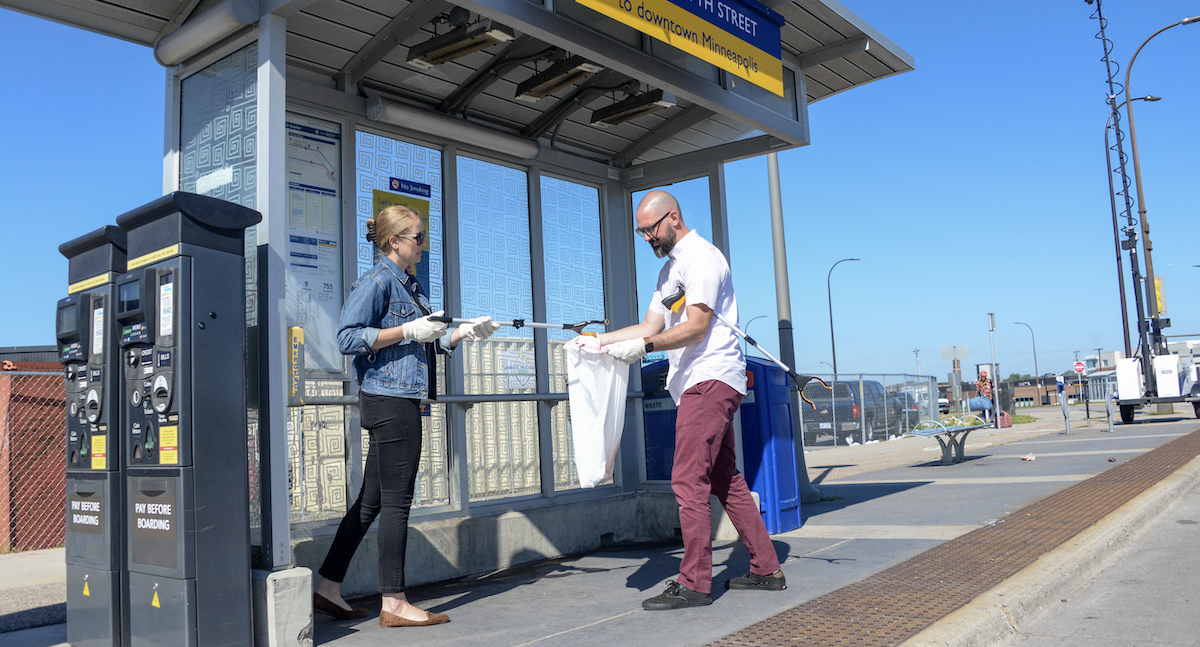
(883, 504)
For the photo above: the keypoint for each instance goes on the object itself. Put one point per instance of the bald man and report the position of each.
(707, 380)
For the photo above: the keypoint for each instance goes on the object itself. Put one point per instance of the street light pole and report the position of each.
(1157, 338)
(1038, 377)
(1116, 226)
(829, 293)
(746, 330)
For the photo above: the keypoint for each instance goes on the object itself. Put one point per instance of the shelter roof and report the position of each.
(362, 45)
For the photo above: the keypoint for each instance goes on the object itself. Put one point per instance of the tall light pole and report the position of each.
(1156, 336)
(746, 330)
(832, 345)
(1116, 226)
(1038, 377)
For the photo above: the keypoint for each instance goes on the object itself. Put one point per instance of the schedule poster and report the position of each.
(314, 268)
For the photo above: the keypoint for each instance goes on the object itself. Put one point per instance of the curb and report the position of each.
(998, 614)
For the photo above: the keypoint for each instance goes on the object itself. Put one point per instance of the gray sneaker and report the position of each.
(677, 596)
(754, 582)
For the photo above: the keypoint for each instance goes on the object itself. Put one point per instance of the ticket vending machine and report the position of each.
(97, 612)
(180, 311)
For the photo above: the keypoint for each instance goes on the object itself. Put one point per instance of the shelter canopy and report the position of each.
(364, 47)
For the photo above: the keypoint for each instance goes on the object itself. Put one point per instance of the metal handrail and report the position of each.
(483, 398)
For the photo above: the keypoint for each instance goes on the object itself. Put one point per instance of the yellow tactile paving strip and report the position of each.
(896, 604)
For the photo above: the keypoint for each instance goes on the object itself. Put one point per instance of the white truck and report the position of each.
(1177, 379)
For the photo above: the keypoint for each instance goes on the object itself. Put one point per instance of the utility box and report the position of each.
(182, 326)
(97, 604)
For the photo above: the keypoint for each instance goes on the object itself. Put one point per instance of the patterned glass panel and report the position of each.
(218, 122)
(502, 438)
(574, 292)
(379, 160)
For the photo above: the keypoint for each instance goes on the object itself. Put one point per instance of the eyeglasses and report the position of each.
(418, 238)
(647, 231)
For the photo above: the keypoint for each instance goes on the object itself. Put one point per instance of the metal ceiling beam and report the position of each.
(681, 121)
(834, 51)
(517, 53)
(584, 93)
(406, 23)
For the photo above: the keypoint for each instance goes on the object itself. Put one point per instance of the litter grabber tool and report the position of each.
(675, 301)
(521, 323)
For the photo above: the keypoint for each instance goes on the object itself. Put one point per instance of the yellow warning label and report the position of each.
(153, 257)
(85, 590)
(168, 440)
(88, 284)
(154, 603)
(99, 452)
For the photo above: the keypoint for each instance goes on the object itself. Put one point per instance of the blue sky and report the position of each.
(975, 184)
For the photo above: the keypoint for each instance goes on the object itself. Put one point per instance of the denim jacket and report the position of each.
(383, 298)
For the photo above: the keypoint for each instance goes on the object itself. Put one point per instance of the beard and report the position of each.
(663, 246)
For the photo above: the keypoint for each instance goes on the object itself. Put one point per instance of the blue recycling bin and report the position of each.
(768, 449)
(658, 410)
(768, 452)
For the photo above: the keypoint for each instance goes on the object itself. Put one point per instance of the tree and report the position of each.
(1018, 377)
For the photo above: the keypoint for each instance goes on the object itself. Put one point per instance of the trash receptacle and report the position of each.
(768, 453)
(768, 449)
(659, 412)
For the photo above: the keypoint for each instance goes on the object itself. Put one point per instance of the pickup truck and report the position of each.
(849, 409)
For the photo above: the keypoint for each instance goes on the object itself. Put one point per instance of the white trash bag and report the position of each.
(597, 386)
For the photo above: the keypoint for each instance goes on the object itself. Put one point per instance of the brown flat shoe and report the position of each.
(387, 619)
(327, 606)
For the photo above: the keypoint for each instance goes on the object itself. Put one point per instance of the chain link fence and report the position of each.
(32, 468)
(862, 408)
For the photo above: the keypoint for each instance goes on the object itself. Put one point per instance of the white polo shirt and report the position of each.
(701, 269)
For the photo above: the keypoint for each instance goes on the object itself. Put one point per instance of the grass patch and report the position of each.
(1021, 419)
(829, 497)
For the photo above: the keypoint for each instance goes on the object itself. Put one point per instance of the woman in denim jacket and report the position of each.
(386, 326)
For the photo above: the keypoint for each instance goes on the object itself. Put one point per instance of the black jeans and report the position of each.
(389, 478)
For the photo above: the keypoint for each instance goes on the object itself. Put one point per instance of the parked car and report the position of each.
(905, 411)
(848, 408)
(943, 405)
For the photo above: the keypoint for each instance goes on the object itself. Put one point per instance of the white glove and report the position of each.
(424, 330)
(478, 328)
(628, 351)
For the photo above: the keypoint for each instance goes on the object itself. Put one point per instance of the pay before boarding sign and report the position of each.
(738, 36)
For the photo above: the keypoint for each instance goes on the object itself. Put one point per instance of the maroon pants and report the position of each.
(704, 464)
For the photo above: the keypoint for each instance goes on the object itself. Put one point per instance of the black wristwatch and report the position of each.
(649, 347)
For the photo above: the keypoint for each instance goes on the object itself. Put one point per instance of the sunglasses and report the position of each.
(646, 231)
(418, 238)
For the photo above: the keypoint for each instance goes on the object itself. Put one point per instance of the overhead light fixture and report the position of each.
(206, 30)
(457, 130)
(556, 77)
(632, 108)
(458, 42)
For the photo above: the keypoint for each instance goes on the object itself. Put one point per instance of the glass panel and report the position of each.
(574, 292)
(218, 110)
(697, 215)
(389, 171)
(317, 457)
(502, 438)
(417, 174)
(433, 484)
